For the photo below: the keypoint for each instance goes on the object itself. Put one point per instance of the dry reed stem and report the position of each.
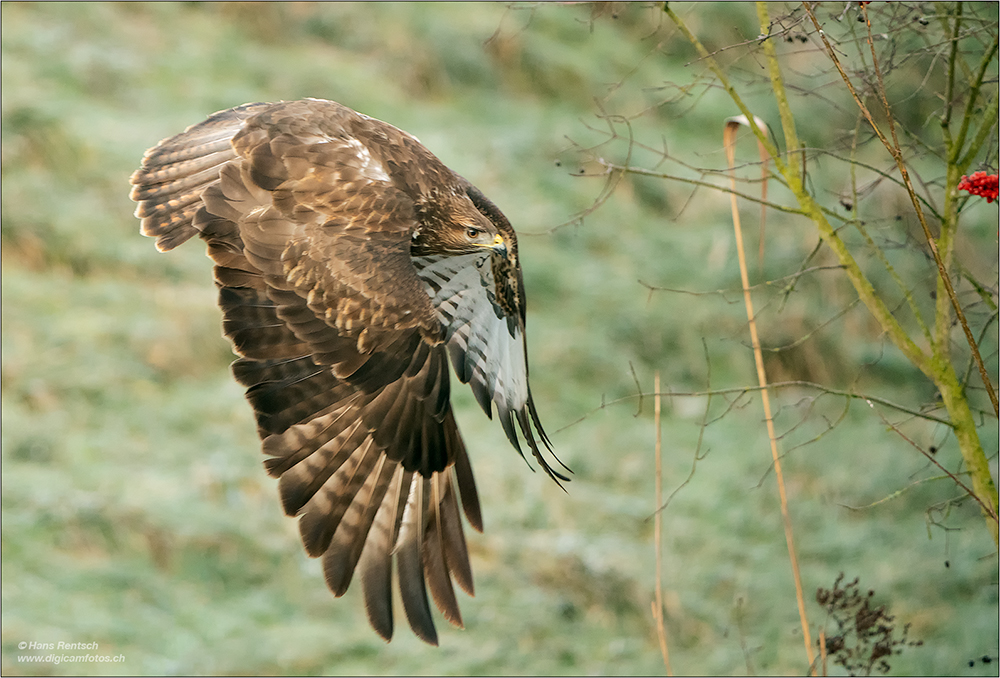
(822, 652)
(661, 632)
(729, 139)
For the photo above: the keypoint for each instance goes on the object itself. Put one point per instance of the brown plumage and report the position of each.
(350, 264)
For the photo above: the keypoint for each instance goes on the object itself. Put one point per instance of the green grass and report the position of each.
(135, 510)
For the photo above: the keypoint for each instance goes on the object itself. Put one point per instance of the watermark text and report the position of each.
(62, 652)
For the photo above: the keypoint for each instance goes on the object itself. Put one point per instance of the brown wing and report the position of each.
(341, 351)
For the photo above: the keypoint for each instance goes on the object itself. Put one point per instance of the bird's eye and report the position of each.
(472, 233)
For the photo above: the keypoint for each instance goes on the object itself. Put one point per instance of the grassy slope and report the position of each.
(135, 510)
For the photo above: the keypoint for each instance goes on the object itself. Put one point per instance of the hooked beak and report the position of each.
(499, 246)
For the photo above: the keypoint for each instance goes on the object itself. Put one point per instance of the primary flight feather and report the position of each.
(351, 264)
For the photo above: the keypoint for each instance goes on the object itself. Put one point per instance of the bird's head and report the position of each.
(461, 231)
(467, 238)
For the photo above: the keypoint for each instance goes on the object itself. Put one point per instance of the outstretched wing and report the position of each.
(343, 355)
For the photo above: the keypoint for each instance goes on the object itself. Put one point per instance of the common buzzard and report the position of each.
(351, 263)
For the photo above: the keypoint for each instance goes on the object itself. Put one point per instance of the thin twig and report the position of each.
(898, 493)
(697, 182)
(950, 81)
(970, 104)
(701, 433)
(791, 277)
(989, 510)
(741, 390)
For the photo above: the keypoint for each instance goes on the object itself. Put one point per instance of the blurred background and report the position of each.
(136, 513)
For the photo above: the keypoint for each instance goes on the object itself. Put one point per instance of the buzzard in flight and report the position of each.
(351, 263)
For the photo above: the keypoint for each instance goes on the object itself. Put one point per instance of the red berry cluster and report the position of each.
(980, 183)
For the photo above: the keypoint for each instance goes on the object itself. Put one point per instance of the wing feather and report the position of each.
(341, 558)
(436, 566)
(376, 558)
(410, 572)
(321, 515)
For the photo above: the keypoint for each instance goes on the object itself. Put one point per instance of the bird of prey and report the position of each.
(351, 264)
